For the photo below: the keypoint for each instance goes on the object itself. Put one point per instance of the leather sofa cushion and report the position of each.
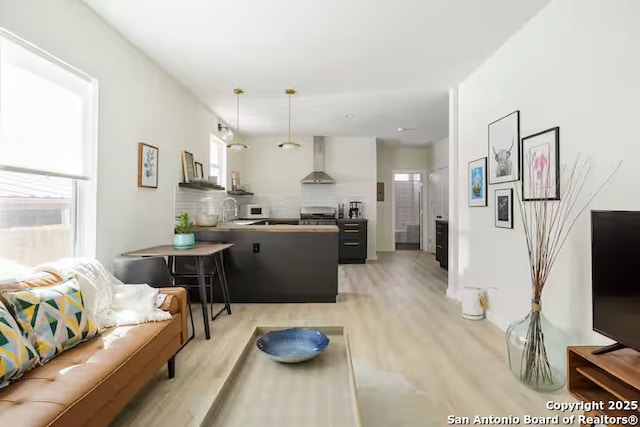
(43, 393)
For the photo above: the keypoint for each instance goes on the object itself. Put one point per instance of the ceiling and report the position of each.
(387, 62)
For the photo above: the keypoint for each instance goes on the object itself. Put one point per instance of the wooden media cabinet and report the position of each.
(612, 378)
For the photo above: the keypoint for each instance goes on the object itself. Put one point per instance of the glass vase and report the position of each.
(537, 351)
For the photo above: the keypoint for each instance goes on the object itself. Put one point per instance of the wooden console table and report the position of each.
(607, 378)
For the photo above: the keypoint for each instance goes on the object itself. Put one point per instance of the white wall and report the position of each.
(272, 171)
(574, 65)
(392, 158)
(275, 173)
(438, 154)
(138, 102)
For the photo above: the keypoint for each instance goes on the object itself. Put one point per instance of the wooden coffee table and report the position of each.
(261, 392)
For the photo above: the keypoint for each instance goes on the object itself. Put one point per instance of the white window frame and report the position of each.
(84, 211)
(219, 145)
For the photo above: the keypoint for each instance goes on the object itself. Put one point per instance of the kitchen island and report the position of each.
(278, 263)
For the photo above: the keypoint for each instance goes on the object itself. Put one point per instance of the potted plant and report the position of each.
(183, 237)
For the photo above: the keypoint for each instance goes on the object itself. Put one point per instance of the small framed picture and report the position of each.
(504, 208)
(504, 149)
(147, 165)
(188, 166)
(541, 166)
(478, 182)
(199, 170)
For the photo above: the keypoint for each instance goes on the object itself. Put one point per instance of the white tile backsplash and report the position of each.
(193, 201)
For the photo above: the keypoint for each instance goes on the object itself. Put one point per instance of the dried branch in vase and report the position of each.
(547, 224)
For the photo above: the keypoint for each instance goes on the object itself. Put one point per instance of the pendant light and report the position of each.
(236, 145)
(289, 145)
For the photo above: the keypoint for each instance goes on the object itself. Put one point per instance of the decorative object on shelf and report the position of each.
(504, 208)
(504, 149)
(199, 170)
(183, 237)
(236, 145)
(478, 182)
(293, 345)
(188, 166)
(541, 165)
(147, 165)
(289, 144)
(380, 192)
(536, 348)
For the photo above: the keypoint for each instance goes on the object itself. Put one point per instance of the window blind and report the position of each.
(46, 113)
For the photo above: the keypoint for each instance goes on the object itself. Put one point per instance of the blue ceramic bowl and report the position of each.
(293, 345)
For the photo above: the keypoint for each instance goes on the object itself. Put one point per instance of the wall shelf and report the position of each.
(205, 186)
(239, 193)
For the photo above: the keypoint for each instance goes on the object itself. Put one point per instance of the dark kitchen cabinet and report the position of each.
(442, 242)
(352, 241)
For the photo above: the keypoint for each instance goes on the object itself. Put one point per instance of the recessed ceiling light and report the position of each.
(348, 115)
(405, 129)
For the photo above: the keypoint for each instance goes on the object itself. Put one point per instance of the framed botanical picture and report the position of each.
(188, 166)
(504, 207)
(504, 149)
(147, 165)
(478, 182)
(199, 170)
(541, 165)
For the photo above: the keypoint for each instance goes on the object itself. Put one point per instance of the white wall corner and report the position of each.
(452, 286)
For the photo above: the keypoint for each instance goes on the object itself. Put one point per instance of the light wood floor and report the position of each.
(399, 321)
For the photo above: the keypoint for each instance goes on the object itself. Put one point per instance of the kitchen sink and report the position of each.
(247, 222)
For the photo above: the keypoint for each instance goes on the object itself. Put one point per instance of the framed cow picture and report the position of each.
(541, 165)
(504, 149)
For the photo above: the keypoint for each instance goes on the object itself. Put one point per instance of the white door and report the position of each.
(438, 201)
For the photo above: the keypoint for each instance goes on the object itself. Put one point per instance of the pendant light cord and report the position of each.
(289, 140)
(235, 140)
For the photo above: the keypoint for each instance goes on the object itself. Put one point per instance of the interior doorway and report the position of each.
(438, 202)
(407, 210)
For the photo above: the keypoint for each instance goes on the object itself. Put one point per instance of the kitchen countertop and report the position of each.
(282, 228)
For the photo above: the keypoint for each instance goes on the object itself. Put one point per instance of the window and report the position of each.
(218, 164)
(47, 147)
(407, 177)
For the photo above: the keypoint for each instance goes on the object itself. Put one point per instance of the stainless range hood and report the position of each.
(318, 176)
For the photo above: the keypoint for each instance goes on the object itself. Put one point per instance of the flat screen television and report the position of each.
(615, 264)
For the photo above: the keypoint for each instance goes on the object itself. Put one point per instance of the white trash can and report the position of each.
(473, 303)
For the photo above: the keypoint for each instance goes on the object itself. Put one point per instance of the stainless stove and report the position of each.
(317, 215)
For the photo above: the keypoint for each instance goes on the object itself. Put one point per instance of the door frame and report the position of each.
(431, 229)
(424, 197)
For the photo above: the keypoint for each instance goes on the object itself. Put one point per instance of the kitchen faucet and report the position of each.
(223, 209)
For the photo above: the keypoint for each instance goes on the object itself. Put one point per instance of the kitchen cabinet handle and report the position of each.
(351, 231)
(352, 225)
(351, 244)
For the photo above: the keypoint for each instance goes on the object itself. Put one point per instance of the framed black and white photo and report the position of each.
(541, 165)
(188, 166)
(199, 170)
(504, 149)
(504, 207)
(478, 182)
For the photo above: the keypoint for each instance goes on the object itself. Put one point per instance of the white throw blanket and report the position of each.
(107, 299)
